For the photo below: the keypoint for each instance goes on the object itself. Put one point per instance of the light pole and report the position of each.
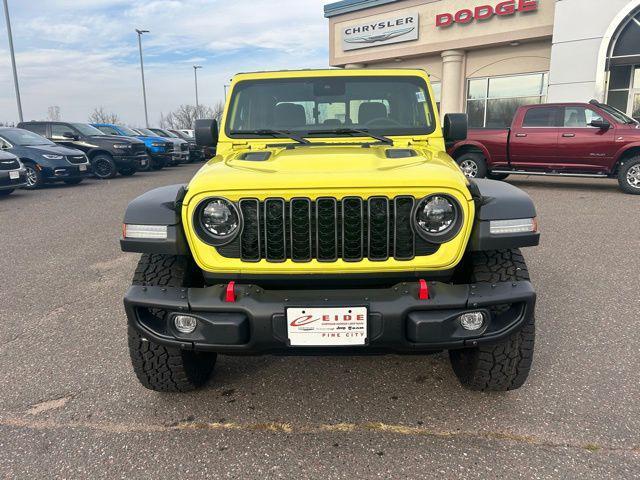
(13, 60)
(195, 74)
(144, 87)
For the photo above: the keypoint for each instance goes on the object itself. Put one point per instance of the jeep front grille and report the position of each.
(327, 229)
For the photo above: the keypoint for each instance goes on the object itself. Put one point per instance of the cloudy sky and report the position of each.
(79, 54)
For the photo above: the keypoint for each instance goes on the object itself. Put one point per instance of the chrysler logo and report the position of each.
(380, 37)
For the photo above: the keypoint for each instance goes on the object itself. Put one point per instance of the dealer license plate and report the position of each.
(327, 327)
(14, 175)
(82, 168)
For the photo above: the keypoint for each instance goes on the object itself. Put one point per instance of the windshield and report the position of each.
(617, 114)
(397, 105)
(128, 131)
(163, 133)
(146, 132)
(23, 138)
(87, 130)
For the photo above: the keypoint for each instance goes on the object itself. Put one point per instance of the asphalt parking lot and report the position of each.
(70, 406)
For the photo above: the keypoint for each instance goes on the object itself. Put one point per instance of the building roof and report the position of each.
(346, 6)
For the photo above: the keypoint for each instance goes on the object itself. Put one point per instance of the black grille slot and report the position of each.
(300, 226)
(352, 229)
(404, 237)
(378, 215)
(75, 159)
(275, 230)
(250, 241)
(327, 229)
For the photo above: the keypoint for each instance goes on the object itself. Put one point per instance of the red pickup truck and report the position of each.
(566, 139)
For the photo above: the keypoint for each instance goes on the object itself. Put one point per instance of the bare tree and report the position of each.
(53, 113)
(100, 115)
(185, 115)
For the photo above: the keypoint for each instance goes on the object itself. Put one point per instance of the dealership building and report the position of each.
(487, 57)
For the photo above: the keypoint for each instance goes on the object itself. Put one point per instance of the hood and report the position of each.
(329, 167)
(52, 149)
(115, 139)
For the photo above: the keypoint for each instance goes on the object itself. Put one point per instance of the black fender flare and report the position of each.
(160, 206)
(496, 200)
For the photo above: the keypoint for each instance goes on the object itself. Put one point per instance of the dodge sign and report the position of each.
(381, 32)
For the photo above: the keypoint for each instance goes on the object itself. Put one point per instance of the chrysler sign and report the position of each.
(381, 32)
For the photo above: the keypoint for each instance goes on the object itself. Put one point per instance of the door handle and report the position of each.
(521, 135)
(568, 135)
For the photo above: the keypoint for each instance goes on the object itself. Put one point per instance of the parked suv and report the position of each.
(196, 153)
(44, 161)
(331, 221)
(159, 150)
(177, 154)
(12, 173)
(109, 155)
(559, 139)
(181, 146)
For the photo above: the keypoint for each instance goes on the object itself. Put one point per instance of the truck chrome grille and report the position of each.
(326, 229)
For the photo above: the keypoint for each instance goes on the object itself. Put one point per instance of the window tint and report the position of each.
(39, 128)
(541, 117)
(579, 117)
(108, 130)
(58, 131)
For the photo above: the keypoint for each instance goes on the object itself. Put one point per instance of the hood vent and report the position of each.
(400, 153)
(255, 156)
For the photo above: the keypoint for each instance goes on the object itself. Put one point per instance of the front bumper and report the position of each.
(8, 183)
(138, 161)
(66, 172)
(180, 157)
(398, 321)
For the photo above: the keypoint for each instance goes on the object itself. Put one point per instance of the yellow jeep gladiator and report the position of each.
(331, 221)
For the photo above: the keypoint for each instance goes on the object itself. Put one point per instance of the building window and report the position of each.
(492, 102)
(624, 68)
(437, 93)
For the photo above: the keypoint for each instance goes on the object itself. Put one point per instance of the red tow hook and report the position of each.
(230, 296)
(423, 292)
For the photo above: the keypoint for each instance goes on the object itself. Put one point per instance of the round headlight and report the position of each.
(438, 218)
(219, 220)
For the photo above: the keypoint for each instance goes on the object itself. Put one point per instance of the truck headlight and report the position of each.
(157, 144)
(121, 146)
(438, 218)
(217, 220)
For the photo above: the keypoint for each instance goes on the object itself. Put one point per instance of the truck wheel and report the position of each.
(473, 165)
(505, 365)
(161, 368)
(103, 166)
(629, 176)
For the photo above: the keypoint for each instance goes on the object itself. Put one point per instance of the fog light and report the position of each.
(185, 323)
(472, 320)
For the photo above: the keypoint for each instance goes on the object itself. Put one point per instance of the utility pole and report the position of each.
(195, 73)
(144, 87)
(13, 60)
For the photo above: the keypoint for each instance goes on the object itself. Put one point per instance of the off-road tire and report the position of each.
(623, 172)
(161, 368)
(103, 166)
(473, 165)
(505, 365)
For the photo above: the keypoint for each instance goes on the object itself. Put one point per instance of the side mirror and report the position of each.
(70, 136)
(601, 124)
(206, 133)
(455, 127)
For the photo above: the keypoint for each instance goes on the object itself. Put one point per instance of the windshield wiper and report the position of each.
(272, 133)
(353, 131)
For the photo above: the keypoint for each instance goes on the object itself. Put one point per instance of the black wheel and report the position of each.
(161, 368)
(34, 177)
(4, 193)
(506, 365)
(497, 176)
(73, 181)
(473, 165)
(629, 176)
(127, 172)
(103, 166)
